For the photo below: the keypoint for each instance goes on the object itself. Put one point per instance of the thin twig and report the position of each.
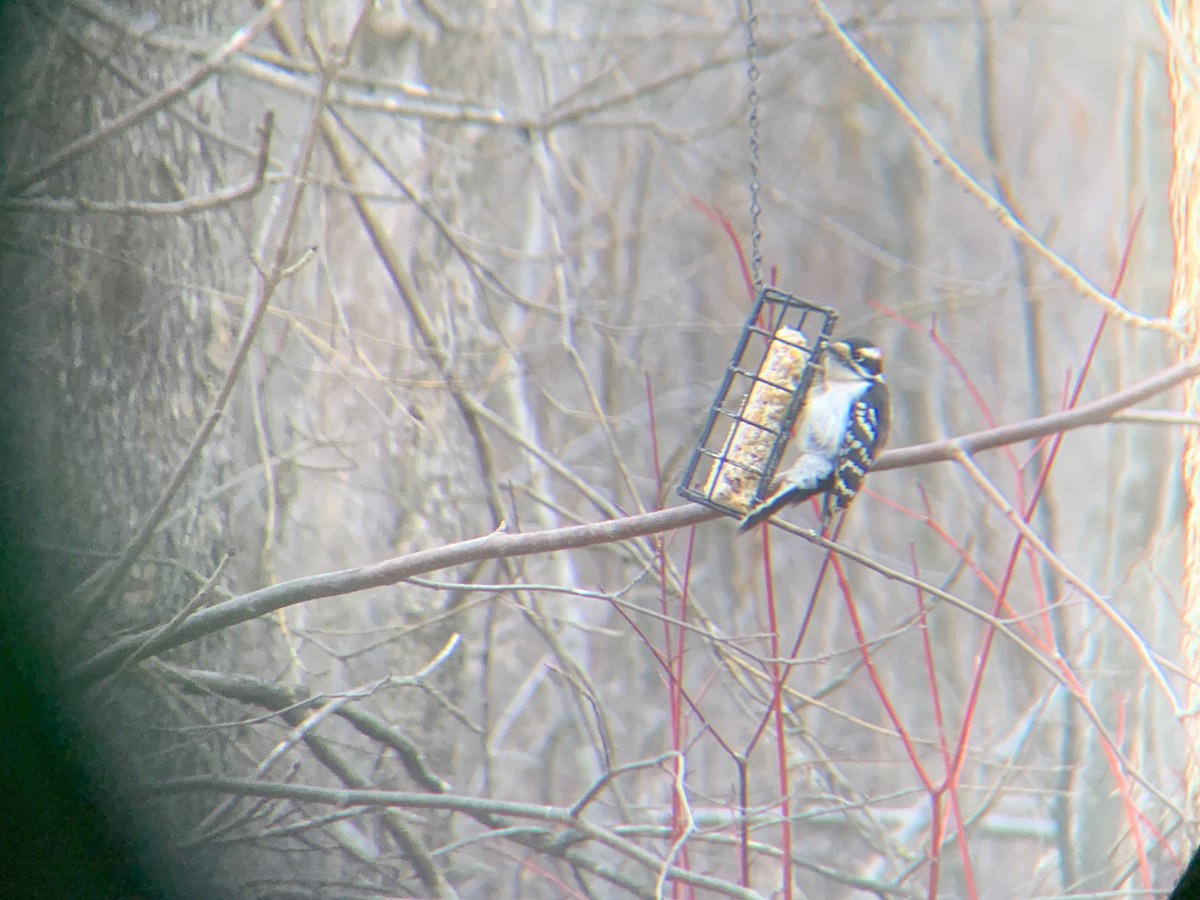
(302, 731)
(236, 43)
(1098, 412)
(498, 544)
(536, 812)
(601, 783)
(184, 207)
(1068, 575)
(684, 833)
(1156, 417)
(101, 581)
(1001, 627)
(184, 611)
(1001, 213)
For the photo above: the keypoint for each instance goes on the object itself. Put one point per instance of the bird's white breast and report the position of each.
(820, 432)
(823, 424)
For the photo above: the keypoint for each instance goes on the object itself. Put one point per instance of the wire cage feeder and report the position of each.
(751, 418)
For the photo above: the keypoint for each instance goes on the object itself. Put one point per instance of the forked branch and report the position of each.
(501, 544)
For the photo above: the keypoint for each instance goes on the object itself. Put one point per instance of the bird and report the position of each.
(842, 426)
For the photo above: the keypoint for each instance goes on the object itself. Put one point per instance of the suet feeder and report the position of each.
(751, 418)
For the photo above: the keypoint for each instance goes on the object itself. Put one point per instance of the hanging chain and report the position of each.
(755, 207)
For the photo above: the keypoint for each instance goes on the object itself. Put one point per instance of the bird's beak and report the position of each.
(839, 348)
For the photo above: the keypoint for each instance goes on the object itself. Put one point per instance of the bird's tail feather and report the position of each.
(785, 497)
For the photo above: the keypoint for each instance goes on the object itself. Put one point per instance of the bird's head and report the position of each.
(854, 358)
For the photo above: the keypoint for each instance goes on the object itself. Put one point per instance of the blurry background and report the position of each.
(486, 282)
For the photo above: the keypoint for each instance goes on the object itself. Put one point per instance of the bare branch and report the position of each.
(476, 806)
(102, 580)
(498, 544)
(1098, 412)
(236, 43)
(187, 206)
(1001, 213)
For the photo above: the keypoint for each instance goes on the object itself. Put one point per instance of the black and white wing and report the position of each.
(870, 421)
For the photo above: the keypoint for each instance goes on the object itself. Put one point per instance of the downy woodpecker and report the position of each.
(841, 429)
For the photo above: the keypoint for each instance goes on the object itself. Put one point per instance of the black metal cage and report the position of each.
(751, 418)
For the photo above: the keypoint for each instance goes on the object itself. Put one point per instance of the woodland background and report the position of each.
(298, 290)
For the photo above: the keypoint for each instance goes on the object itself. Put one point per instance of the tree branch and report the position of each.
(997, 209)
(499, 544)
(237, 42)
(473, 806)
(1098, 412)
(185, 207)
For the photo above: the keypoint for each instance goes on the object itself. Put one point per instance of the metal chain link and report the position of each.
(755, 207)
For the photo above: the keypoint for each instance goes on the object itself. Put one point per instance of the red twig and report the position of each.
(674, 657)
(722, 220)
(1127, 802)
(956, 364)
(778, 675)
(864, 648)
(778, 671)
(935, 818)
